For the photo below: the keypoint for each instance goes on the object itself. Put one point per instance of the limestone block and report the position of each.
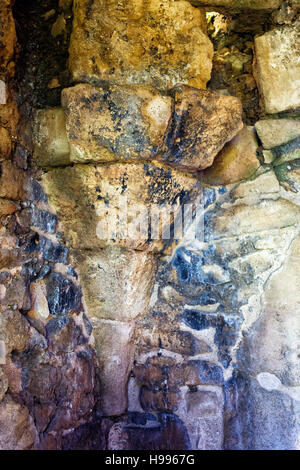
(203, 121)
(115, 123)
(275, 132)
(236, 161)
(115, 350)
(50, 138)
(278, 69)
(117, 284)
(156, 43)
(111, 205)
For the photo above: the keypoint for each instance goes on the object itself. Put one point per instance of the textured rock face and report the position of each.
(202, 124)
(157, 43)
(113, 335)
(113, 342)
(237, 160)
(51, 143)
(115, 123)
(117, 283)
(128, 123)
(276, 132)
(278, 69)
(94, 196)
(17, 428)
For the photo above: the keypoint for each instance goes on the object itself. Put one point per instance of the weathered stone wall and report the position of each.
(133, 341)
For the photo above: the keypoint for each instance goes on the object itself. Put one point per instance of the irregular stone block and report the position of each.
(278, 69)
(63, 295)
(115, 203)
(8, 207)
(63, 334)
(275, 132)
(53, 252)
(159, 400)
(39, 305)
(115, 350)
(51, 146)
(44, 220)
(202, 413)
(117, 284)
(242, 219)
(14, 330)
(11, 181)
(7, 35)
(180, 342)
(17, 430)
(287, 153)
(5, 144)
(236, 161)
(115, 123)
(203, 121)
(156, 43)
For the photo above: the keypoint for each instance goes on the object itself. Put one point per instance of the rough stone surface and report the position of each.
(237, 160)
(278, 69)
(5, 144)
(203, 122)
(7, 37)
(12, 181)
(158, 43)
(117, 284)
(115, 123)
(113, 342)
(17, 431)
(88, 196)
(51, 143)
(104, 344)
(275, 132)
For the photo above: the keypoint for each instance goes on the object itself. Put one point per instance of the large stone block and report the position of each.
(111, 205)
(202, 123)
(115, 123)
(278, 69)
(157, 43)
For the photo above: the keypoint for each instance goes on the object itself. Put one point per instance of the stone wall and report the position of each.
(133, 341)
